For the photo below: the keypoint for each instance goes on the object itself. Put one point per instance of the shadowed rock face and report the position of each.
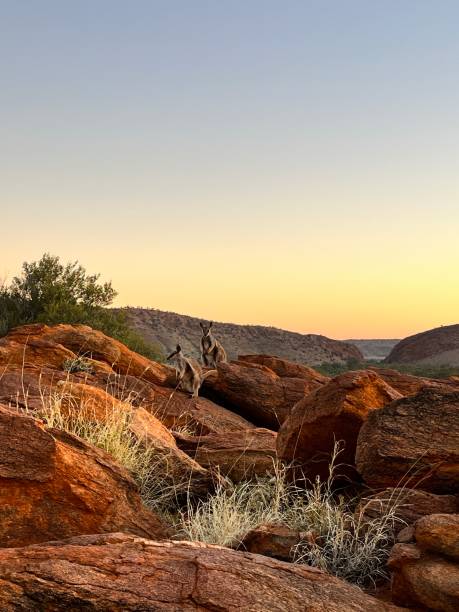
(406, 384)
(335, 411)
(54, 485)
(415, 439)
(256, 392)
(118, 572)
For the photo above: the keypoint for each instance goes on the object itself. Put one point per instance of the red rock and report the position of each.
(414, 440)
(439, 533)
(255, 392)
(412, 504)
(238, 455)
(406, 384)
(54, 485)
(51, 345)
(123, 573)
(271, 540)
(422, 579)
(287, 369)
(332, 413)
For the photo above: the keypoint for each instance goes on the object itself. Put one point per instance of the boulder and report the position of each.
(411, 504)
(422, 579)
(334, 412)
(238, 455)
(195, 416)
(119, 572)
(271, 540)
(51, 345)
(287, 369)
(439, 533)
(407, 384)
(413, 440)
(255, 392)
(54, 485)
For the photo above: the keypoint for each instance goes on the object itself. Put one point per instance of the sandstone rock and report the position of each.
(54, 485)
(238, 455)
(52, 345)
(406, 384)
(412, 504)
(414, 439)
(196, 416)
(333, 412)
(123, 573)
(256, 392)
(287, 369)
(423, 579)
(439, 533)
(271, 540)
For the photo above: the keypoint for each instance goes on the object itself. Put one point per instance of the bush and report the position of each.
(50, 292)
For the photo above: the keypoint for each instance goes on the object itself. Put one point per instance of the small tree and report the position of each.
(50, 292)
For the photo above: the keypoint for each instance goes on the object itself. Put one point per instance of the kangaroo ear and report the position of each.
(201, 324)
(210, 324)
(179, 348)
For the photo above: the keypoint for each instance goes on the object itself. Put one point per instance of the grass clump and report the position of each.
(78, 364)
(336, 539)
(148, 466)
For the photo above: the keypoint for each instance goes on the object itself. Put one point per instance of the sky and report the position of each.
(293, 163)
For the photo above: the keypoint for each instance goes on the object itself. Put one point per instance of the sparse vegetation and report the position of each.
(50, 292)
(78, 364)
(336, 539)
(149, 468)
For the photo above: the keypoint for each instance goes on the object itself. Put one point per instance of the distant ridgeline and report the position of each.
(168, 328)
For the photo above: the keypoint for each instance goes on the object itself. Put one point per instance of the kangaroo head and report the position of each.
(206, 328)
(178, 350)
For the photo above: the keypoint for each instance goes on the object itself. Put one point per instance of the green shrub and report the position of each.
(50, 292)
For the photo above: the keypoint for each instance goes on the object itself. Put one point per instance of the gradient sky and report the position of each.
(286, 163)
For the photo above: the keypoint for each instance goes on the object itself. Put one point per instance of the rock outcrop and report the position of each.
(334, 412)
(123, 573)
(256, 392)
(439, 346)
(414, 440)
(407, 384)
(54, 485)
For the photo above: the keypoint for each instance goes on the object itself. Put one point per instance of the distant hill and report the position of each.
(168, 328)
(374, 349)
(439, 346)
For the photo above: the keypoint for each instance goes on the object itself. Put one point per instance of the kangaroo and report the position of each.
(212, 352)
(189, 373)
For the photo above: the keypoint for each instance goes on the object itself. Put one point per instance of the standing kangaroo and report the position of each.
(212, 352)
(189, 373)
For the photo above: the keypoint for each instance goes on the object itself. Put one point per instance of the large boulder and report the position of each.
(51, 346)
(119, 572)
(54, 485)
(334, 412)
(238, 455)
(271, 540)
(256, 392)
(413, 440)
(427, 573)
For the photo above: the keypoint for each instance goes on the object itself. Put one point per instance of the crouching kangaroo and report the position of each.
(212, 352)
(189, 373)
